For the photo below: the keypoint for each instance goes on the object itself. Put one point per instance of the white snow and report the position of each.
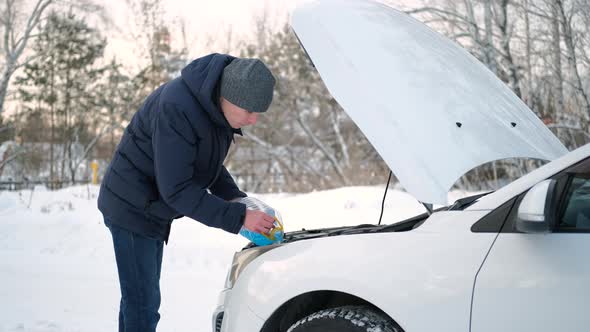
(58, 272)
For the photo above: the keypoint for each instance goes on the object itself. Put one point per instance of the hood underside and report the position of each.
(431, 110)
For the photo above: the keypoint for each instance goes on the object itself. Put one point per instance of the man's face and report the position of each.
(236, 116)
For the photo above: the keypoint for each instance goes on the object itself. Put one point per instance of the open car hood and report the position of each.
(431, 110)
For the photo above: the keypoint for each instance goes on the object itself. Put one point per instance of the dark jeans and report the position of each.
(139, 262)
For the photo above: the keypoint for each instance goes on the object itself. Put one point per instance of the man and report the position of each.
(169, 164)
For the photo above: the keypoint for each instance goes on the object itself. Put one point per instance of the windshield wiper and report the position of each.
(362, 228)
(464, 202)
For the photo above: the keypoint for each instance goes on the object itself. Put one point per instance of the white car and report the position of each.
(515, 260)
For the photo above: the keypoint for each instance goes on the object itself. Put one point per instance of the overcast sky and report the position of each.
(203, 19)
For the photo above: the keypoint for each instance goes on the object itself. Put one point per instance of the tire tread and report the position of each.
(360, 316)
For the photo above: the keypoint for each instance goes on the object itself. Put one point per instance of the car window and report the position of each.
(572, 214)
(576, 205)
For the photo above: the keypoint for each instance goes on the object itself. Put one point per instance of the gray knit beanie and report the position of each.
(248, 83)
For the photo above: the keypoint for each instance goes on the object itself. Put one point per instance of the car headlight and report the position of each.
(241, 260)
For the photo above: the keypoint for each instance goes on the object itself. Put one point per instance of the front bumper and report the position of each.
(220, 310)
(231, 315)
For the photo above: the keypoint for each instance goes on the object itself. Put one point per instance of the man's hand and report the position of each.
(258, 221)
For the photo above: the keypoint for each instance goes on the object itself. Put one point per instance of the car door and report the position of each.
(540, 282)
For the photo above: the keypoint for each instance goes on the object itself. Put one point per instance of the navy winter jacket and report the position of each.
(169, 162)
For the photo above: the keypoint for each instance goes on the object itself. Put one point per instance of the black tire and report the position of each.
(345, 319)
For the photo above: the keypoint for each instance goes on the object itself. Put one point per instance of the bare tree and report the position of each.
(15, 39)
(556, 52)
(506, 29)
(489, 43)
(528, 47)
(569, 39)
(329, 155)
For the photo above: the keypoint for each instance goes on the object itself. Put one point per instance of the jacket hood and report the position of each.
(202, 76)
(431, 110)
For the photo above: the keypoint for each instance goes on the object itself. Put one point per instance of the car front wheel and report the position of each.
(345, 319)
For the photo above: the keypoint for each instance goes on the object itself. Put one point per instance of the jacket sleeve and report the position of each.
(175, 149)
(225, 187)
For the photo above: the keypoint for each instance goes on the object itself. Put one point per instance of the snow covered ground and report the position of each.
(58, 272)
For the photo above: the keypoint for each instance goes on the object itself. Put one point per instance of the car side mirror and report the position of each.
(535, 212)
